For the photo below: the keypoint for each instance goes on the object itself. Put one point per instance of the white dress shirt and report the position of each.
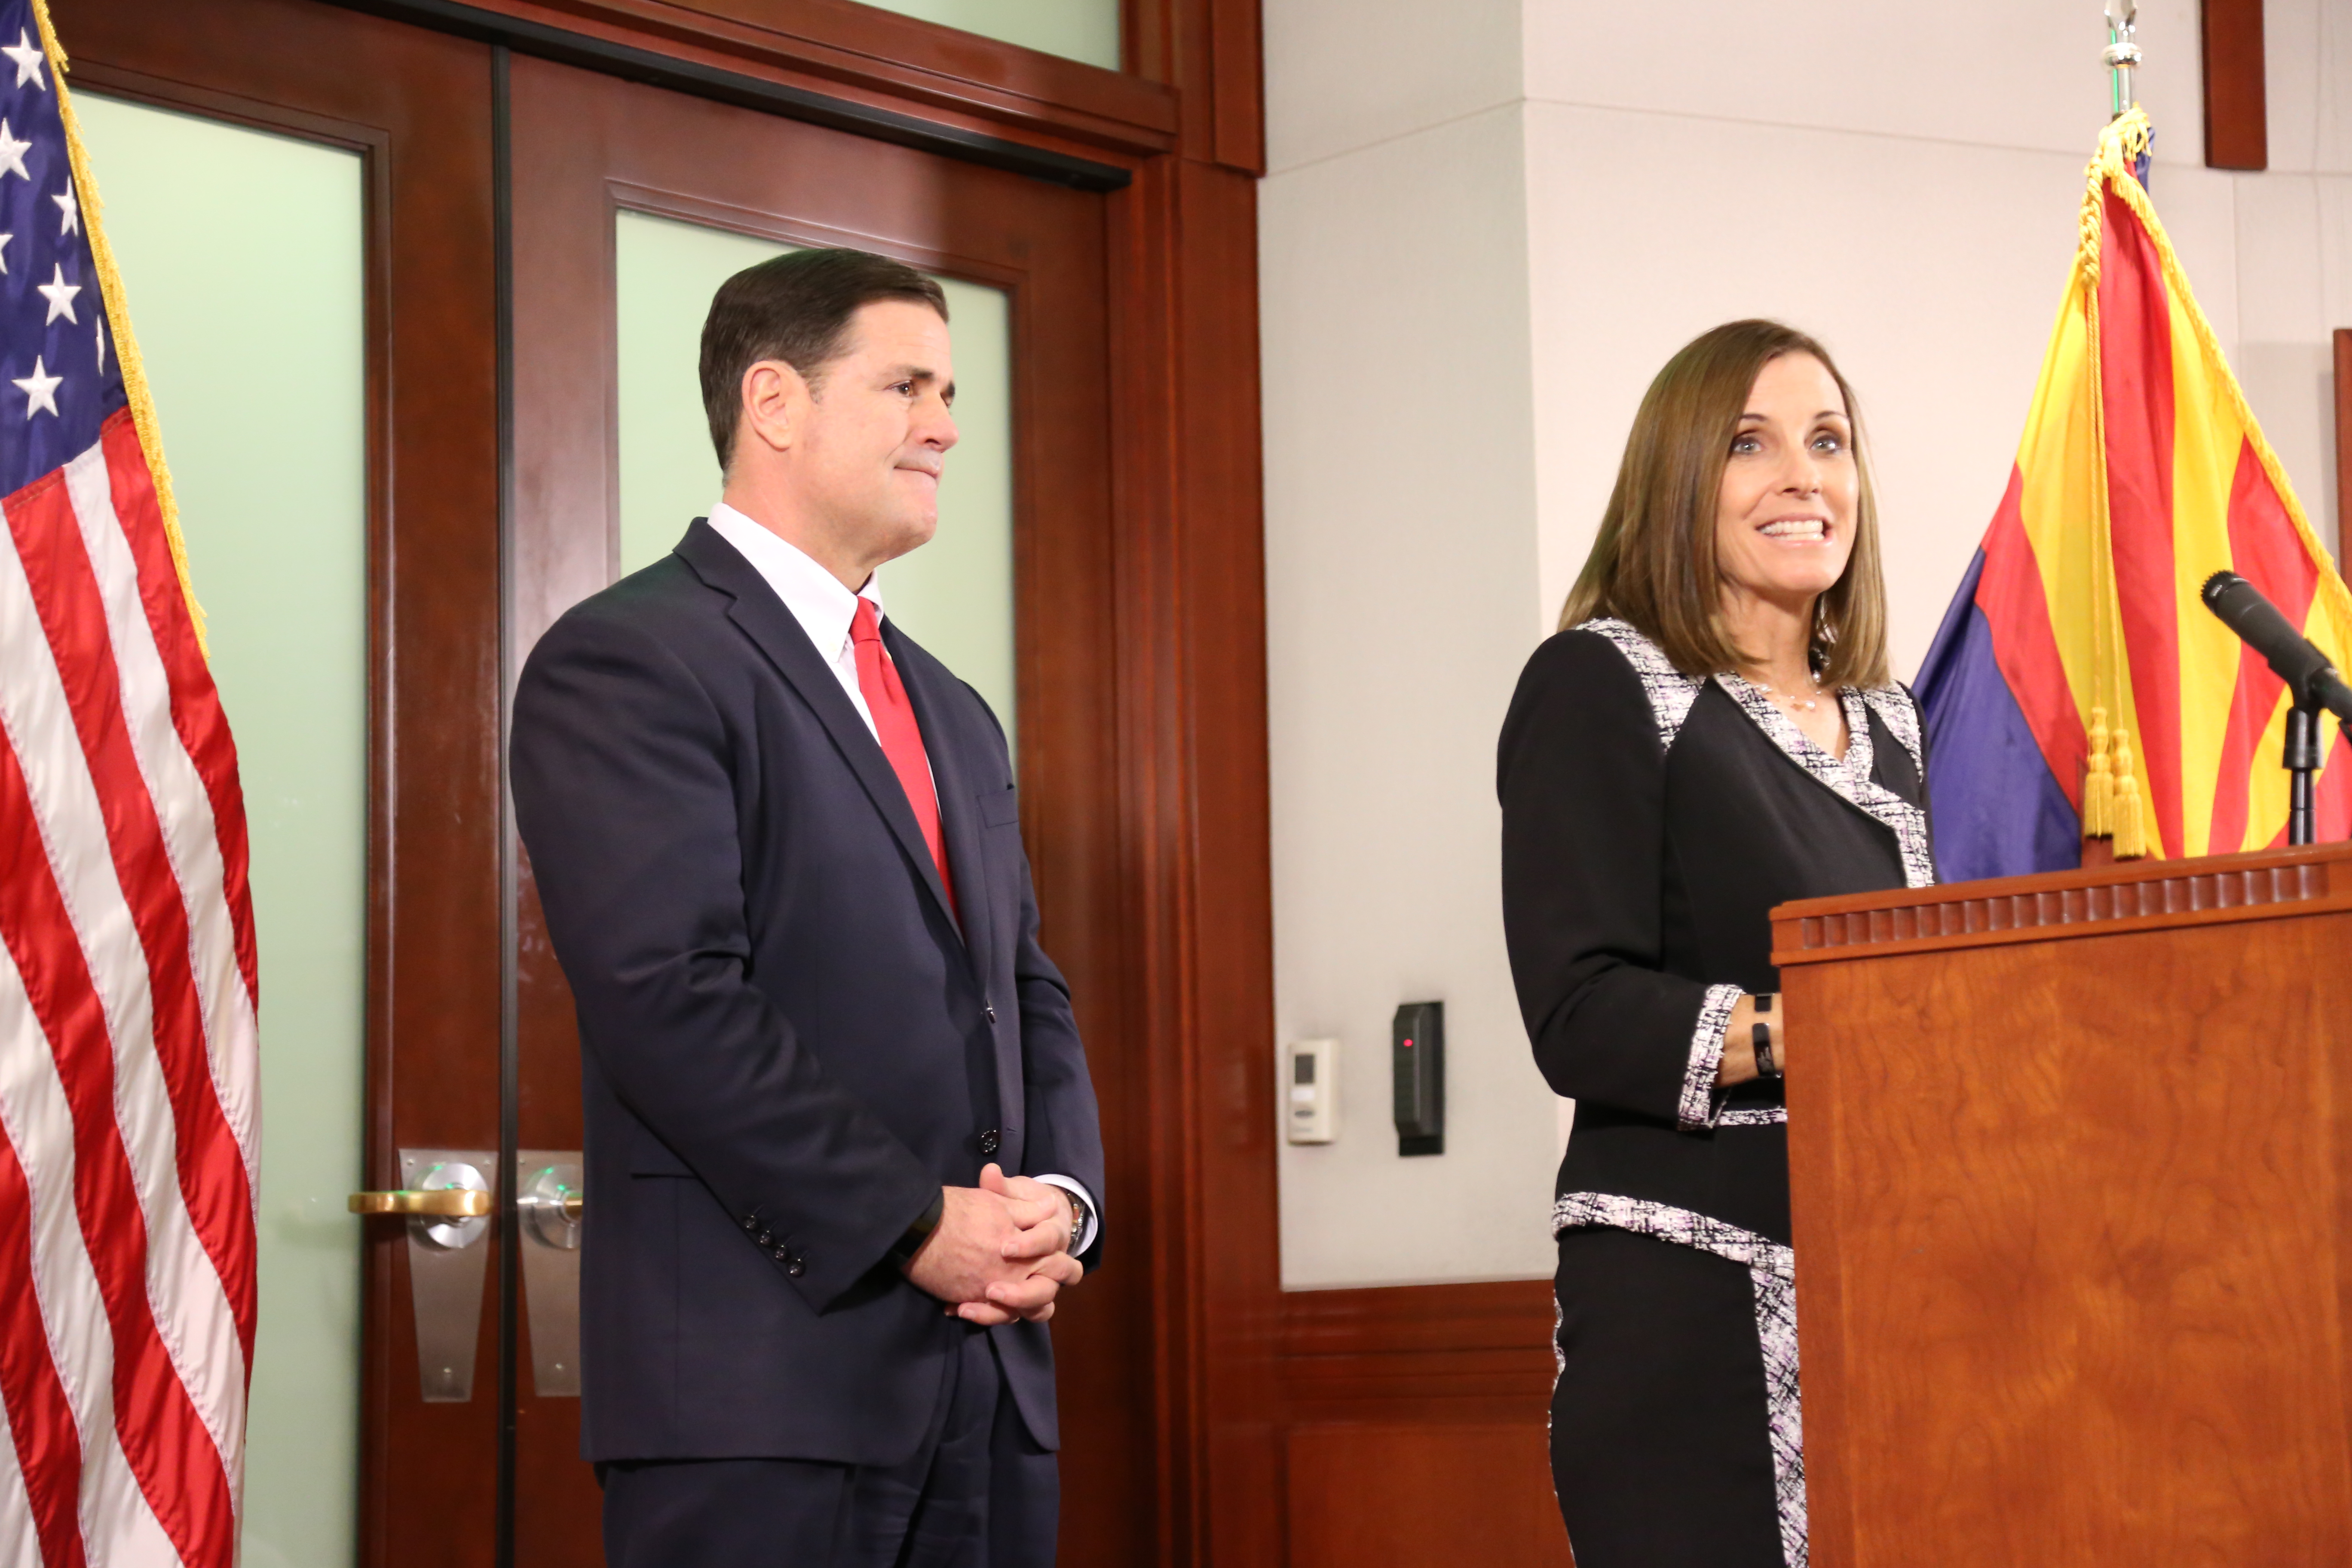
(815, 597)
(826, 610)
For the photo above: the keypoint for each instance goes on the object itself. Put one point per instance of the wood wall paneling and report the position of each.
(842, 52)
(2237, 114)
(1414, 1385)
(1408, 1496)
(1212, 51)
(1193, 82)
(1191, 756)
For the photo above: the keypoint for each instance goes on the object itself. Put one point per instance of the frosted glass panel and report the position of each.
(242, 255)
(955, 595)
(1079, 29)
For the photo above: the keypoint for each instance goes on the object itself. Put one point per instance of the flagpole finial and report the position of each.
(2122, 56)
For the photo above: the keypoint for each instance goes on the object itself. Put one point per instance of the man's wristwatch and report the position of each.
(902, 1251)
(1080, 1217)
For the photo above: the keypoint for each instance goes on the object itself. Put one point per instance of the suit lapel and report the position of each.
(923, 677)
(778, 634)
(930, 689)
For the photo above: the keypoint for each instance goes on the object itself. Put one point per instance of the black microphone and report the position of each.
(2306, 671)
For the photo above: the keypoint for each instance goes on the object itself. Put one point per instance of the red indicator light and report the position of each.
(1408, 1044)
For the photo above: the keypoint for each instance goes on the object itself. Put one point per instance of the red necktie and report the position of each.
(895, 727)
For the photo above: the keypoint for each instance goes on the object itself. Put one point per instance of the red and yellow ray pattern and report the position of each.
(2141, 474)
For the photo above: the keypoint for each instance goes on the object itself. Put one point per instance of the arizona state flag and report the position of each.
(2078, 686)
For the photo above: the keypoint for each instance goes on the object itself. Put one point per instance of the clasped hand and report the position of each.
(1001, 1251)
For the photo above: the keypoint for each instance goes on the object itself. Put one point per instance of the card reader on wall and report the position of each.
(1417, 1054)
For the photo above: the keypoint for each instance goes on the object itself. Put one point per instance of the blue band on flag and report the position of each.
(1999, 813)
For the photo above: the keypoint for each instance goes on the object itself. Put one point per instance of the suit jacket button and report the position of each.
(796, 1267)
(766, 1239)
(991, 1014)
(989, 1141)
(752, 1222)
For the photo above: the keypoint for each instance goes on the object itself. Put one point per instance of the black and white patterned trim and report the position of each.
(1755, 1116)
(1776, 1336)
(1701, 1098)
(1773, 1275)
(1848, 777)
(1670, 691)
(1684, 1228)
(1900, 714)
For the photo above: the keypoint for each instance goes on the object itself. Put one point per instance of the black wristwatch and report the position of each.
(1760, 1037)
(902, 1251)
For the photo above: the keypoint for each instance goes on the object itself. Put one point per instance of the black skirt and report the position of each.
(1661, 1446)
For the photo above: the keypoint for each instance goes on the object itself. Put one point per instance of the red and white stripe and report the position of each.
(128, 1055)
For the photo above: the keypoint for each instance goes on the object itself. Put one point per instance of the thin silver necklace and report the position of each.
(1800, 703)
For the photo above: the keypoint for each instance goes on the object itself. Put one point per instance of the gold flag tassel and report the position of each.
(2099, 784)
(2129, 820)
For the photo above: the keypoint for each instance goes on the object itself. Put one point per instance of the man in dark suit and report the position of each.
(780, 853)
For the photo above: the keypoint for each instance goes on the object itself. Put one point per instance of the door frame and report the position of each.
(587, 146)
(420, 122)
(1175, 142)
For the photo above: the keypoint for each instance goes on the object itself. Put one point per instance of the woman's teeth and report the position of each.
(1796, 528)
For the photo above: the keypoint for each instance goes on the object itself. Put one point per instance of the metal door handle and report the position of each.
(446, 1200)
(447, 1203)
(548, 1204)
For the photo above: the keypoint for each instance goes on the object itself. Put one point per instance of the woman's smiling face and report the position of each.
(1785, 518)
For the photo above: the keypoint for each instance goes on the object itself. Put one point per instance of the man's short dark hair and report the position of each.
(795, 308)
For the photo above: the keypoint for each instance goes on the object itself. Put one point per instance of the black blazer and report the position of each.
(1651, 823)
(787, 1046)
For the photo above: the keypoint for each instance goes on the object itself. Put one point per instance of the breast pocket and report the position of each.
(1000, 808)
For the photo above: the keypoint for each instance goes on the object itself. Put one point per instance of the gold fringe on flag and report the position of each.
(118, 316)
(2113, 806)
(2099, 783)
(2130, 822)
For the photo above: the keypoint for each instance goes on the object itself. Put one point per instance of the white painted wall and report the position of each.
(1484, 229)
(1402, 587)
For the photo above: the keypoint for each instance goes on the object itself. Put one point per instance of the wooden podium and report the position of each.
(2072, 1165)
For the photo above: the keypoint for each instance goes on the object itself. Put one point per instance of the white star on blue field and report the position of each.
(58, 379)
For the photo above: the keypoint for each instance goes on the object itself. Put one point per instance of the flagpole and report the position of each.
(2122, 55)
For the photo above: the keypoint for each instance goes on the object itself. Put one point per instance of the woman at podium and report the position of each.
(1712, 734)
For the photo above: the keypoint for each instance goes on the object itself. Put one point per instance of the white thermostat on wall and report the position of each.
(1310, 1091)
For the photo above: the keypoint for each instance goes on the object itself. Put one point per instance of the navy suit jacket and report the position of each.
(787, 1044)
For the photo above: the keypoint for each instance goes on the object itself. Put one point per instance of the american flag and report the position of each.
(128, 1061)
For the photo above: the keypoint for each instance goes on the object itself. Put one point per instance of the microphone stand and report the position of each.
(2302, 763)
(2311, 680)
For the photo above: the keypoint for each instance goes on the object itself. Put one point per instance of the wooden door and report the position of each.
(418, 107)
(586, 148)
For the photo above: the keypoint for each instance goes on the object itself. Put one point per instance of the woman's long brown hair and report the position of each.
(1653, 564)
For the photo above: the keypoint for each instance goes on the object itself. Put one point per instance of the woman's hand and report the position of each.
(1739, 1043)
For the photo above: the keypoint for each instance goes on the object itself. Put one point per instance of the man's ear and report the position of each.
(775, 404)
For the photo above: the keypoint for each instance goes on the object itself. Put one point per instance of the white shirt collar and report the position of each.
(815, 595)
